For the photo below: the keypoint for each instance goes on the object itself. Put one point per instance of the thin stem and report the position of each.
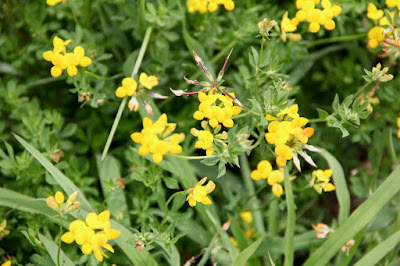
(291, 221)
(260, 55)
(142, 51)
(73, 14)
(122, 106)
(337, 39)
(391, 147)
(114, 128)
(316, 120)
(273, 218)
(103, 78)
(257, 143)
(248, 182)
(189, 157)
(43, 81)
(59, 242)
(242, 114)
(166, 207)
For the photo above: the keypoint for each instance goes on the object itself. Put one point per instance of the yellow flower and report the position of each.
(7, 263)
(3, 231)
(323, 178)
(55, 2)
(148, 81)
(263, 170)
(199, 193)
(84, 234)
(246, 216)
(63, 60)
(128, 88)
(57, 203)
(373, 12)
(156, 138)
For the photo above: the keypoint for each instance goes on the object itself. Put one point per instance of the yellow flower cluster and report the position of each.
(287, 135)
(55, 2)
(208, 5)
(320, 180)
(274, 177)
(129, 85)
(63, 60)
(89, 236)
(217, 108)
(57, 203)
(315, 16)
(398, 126)
(199, 192)
(3, 231)
(377, 33)
(206, 137)
(156, 138)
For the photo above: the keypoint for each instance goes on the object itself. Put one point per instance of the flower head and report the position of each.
(62, 60)
(57, 203)
(320, 180)
(157, 138)
(199, 192)
(89, 237)
(321, 230)
(3, 231)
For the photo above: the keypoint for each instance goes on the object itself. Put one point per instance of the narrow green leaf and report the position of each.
(380, 251)
(52, 249)
(291, 220)
(109, 169)
(342, 192)
(359, 218)
(15, 200)
(61, 179)
(227, 243)
(247, 253)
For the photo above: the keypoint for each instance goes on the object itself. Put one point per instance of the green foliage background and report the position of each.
(46, 113)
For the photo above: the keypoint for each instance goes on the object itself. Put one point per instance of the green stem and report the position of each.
(391, 147)
(189, 157)
(166, 207)
(242, 114)
(291, 220)
(114, 128)
(122, 106)
(142, 51)
(103, 78)
(73, 14)
(273, 218)
(59, 242)
(248, 182)
(316, 120)
(260, 56)
(43, 81)
(337, 39)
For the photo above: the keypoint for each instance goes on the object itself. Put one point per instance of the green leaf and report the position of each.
(52, 249)
(322, 113)
(61, 179)
(211, 161)
(359, 218)
(336, 103)
(15, 200)
(247, 253)
(380, 251)
(171, 183)
(109, 170)
(221, 169)
(342, 191)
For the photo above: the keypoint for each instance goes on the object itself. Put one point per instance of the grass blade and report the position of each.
(247, 253)
(61, 179)
(377, 253)
(52, 249)
(342, 192)
(356, 222)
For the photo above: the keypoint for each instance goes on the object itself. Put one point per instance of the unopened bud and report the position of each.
(226, 225)
(59, 198)
(51, 202)
(133, 104)
(72, 197)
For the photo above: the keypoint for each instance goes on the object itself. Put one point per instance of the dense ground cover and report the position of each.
(199, 132)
